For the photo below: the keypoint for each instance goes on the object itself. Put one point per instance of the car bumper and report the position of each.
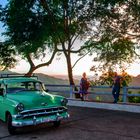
(39, 120)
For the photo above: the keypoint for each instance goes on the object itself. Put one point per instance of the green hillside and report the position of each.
(51, 80)
(7, 72)
(46, 79)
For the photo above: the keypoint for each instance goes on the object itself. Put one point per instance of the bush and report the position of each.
(133, 99)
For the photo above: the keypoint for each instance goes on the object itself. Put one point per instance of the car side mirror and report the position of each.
(1, 91)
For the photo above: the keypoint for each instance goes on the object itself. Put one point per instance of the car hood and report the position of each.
(35, 99)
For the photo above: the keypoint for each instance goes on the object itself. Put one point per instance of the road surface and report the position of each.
(83, 124)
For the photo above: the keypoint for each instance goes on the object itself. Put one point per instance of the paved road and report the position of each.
(84, 124)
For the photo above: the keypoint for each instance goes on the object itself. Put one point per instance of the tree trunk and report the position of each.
(30, 72)
(70, 73)
(32, 65)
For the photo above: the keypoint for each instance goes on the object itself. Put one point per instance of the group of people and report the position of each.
(85, 84)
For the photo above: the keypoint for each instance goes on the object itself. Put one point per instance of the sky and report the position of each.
(2, 2)
(59, 67)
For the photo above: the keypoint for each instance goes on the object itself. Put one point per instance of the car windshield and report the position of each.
(24, 86)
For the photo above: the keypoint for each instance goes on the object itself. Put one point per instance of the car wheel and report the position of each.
(56, 123)
(11, 129)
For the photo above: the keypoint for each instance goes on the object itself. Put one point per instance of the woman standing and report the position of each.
(84, 85)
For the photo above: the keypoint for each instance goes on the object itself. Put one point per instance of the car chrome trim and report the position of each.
(40, 112)
(37, 121)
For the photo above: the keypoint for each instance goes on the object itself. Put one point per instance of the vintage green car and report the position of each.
(24, 102)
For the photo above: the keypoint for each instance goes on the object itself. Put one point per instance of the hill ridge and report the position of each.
(50, 79)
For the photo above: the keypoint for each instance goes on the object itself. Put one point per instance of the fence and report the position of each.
(69, 91)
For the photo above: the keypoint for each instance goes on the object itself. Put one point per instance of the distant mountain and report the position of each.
(135, 81)
(51, 80)
(63, 79)
(7, 72)
(44, 78)
(60, 76)
(55, 80)
(76, 77)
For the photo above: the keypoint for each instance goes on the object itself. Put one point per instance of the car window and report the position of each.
(24, 86)
(39, 86)
(2, 86)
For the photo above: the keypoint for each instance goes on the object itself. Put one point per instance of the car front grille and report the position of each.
(41, 112)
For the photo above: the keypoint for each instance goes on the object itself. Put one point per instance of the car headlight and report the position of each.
(20, 107)
(64, 102)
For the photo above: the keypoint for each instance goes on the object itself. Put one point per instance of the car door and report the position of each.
(2, 106)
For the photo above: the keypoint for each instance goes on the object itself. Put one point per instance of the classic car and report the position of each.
(25, 102)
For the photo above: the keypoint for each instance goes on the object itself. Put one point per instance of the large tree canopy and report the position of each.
(29, 29)
(7, 59)
(118, 40)
(34, 25)
(27, 26)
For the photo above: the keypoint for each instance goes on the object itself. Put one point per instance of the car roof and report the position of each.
(18, 80)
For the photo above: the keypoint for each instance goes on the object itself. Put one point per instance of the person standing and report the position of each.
(84, 86)
(116, 87)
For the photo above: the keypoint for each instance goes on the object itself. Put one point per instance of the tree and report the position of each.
(78, 19)
(107, 78)
(7, 59)
(28, 29)
(6, 54)
(118, 43)
(113, 55)
(60, 23)
(57, 23)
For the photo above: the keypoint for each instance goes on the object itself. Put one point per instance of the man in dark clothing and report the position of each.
(116, 87)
